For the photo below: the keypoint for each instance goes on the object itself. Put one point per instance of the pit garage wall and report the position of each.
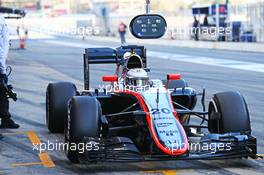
(252, 16)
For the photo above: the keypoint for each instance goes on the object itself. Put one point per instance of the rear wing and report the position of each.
(108, 56)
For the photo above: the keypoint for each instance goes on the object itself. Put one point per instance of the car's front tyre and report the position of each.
(228, 112)
(57, 97)
(84, 120)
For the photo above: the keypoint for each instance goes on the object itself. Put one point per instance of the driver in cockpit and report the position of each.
(133, 72)
(137, 77)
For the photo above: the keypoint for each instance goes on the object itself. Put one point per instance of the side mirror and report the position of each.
(173, 77)
(111, 78)
(148, 26)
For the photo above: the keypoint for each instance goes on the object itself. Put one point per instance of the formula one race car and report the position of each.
(136, 118)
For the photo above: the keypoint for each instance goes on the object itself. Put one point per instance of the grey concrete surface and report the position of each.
(43, 62)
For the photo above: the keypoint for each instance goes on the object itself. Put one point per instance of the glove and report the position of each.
(3, 77)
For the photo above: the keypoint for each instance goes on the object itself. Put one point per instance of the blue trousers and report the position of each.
(123, 38)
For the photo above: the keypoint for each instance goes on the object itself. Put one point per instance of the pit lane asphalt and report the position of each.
(43, 62)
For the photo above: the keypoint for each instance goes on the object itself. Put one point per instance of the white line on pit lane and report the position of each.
(241, 65)
(72, 44)
(233, 64)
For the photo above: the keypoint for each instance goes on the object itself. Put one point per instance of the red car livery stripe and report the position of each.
(174, 152)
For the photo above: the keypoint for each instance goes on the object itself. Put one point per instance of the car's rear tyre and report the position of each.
(228, 112)
(84, 120)
(172, 84)
(57, 97)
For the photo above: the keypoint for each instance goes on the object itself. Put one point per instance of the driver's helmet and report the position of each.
(132, 61)
(137, 77)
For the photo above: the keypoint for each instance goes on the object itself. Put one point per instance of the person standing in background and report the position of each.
(122, 32)
(196, 29)
(205, 23)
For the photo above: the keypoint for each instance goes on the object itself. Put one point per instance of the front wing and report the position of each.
(121, 149)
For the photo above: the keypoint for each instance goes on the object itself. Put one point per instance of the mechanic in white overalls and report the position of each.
(6, 121)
